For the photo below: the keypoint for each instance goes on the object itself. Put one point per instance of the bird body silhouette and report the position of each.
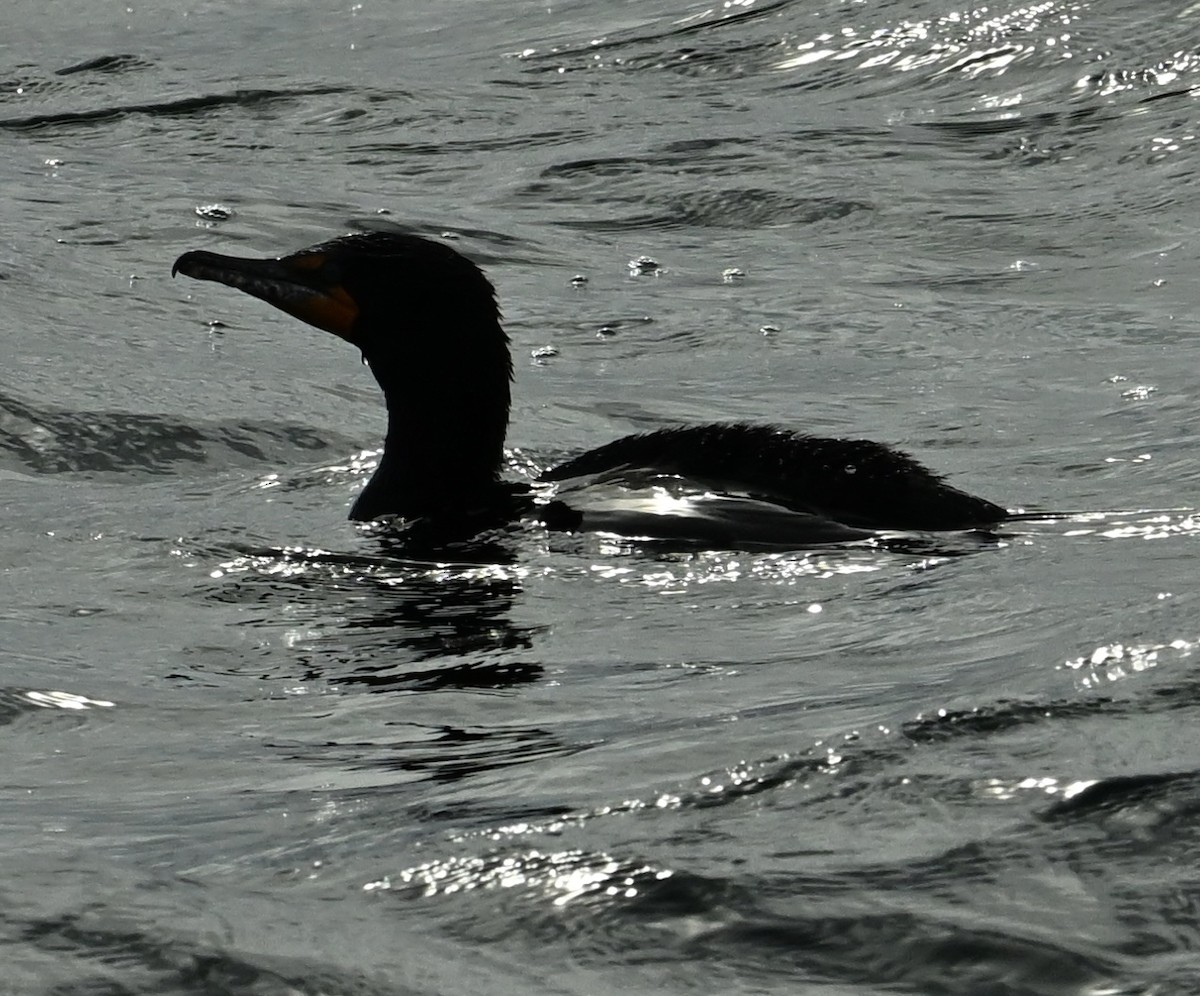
(426, 321)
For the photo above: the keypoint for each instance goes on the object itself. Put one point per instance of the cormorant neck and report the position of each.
(445, 438)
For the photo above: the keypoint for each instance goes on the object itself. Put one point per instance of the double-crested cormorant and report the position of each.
(426, 320)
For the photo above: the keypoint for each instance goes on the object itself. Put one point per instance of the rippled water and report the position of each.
(252, 748)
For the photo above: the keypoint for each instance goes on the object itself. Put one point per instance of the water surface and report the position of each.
(254, 749)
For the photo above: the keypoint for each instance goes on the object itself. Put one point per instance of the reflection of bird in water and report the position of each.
(426, 321)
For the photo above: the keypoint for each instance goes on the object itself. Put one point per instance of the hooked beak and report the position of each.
(296, 284)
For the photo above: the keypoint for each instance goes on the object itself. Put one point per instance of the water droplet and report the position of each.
(1139, 393)
(214, 212)
(644, 265)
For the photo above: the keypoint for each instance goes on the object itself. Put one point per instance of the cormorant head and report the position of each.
(423, 315)
(426, 321)
(368, 288)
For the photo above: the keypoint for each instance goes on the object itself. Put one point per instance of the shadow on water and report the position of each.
(182, 106)
(387, 621)
(60, 441)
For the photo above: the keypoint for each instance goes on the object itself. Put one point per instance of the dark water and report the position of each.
(252, 749)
